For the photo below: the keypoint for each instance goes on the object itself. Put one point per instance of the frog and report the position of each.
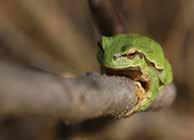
(139, 58)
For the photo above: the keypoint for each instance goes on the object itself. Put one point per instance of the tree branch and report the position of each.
(29, 91)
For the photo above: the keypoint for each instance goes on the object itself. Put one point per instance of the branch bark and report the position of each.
(29, 91)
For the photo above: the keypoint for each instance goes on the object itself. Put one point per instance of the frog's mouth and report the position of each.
(132, 73)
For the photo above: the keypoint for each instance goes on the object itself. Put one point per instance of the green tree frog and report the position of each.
(139, 58)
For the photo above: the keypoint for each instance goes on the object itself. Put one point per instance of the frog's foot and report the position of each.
(141, 94)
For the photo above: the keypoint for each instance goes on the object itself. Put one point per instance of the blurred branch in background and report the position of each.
(18, 46)
(106, 17)
(51, 32)
(180, 42)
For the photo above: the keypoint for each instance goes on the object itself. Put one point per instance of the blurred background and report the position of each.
(61, 36)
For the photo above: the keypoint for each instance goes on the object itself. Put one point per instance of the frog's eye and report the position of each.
(131, 55)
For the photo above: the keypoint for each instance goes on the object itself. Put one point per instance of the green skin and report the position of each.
(147, 56)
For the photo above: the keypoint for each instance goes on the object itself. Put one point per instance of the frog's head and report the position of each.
(122, 51)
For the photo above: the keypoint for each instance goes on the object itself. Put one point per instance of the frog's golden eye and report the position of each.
(131, 55)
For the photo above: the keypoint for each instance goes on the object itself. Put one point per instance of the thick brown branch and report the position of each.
(28, 91)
